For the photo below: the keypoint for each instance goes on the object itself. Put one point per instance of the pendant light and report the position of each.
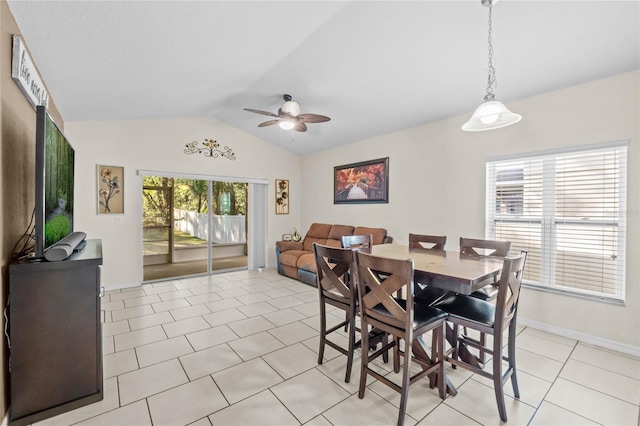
(491, 114)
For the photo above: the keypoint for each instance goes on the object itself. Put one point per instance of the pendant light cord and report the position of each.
(491, 79)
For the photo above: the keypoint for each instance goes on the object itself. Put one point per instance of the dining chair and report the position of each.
(402, 319)
(357, 241)
(431, 242)
(365, 242)
(336, 289)
(425, 293)
(489, 319)
(491, 248)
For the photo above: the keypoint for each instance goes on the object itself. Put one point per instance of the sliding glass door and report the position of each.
(192, 226)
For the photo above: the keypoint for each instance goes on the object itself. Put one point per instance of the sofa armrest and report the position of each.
(387, 240)
(288, 245)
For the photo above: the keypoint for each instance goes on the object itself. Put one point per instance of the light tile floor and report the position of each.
(240, 348)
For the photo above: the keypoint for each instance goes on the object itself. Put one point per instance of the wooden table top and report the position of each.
(445, 269)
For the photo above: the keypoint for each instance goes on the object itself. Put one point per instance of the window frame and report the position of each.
(548, 221)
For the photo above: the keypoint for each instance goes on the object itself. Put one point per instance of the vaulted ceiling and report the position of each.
(374, 67)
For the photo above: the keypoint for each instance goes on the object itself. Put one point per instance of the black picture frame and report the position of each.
(365, 182)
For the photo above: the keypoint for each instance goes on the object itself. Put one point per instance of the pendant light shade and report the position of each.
(491, 114)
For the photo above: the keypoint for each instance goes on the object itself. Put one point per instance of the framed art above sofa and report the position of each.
(361, 183)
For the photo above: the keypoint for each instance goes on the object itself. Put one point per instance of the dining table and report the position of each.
(447, 270)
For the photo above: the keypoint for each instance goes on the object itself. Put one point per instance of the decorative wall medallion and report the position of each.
(211, 148)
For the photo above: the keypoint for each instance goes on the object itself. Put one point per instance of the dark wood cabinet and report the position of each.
(55, 335)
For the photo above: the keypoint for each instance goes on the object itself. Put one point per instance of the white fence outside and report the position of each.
(226, 229)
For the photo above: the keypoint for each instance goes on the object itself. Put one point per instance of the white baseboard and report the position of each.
(583, 337)
(5, 421)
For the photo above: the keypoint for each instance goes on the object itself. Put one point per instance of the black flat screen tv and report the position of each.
(54, 184)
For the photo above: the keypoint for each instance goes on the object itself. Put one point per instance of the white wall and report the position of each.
(158, 145)
(437, 185)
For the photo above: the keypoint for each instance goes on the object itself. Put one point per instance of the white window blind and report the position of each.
(567, 210)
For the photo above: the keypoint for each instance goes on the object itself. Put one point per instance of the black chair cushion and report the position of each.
(422, 314)
(429, 294)
(489, 292)
(469, 308)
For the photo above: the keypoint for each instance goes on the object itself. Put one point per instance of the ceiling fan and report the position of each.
(289, 117)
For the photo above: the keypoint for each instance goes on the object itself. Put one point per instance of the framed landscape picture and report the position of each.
(360, 183)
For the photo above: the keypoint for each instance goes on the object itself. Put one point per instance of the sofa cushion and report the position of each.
(307, 262)
(337, 231)
(288, 245)
(334, 243)
(378, 233)
(290, 257)
(317, 233)
(319, 230)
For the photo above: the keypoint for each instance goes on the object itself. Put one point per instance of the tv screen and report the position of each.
(54, 183)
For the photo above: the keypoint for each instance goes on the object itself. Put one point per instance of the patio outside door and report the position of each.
(192, 226)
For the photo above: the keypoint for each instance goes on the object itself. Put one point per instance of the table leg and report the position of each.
(420, 353)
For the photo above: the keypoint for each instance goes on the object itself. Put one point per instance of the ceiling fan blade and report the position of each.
(300, 127)
(257, 111)
(313, 118)
(268, 123)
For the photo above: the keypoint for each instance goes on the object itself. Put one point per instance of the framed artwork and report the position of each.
(287, 237)
(282, 196)
(110, 189)
(361, 183)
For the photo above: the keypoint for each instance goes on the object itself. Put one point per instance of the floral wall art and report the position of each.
(110, 190)
(282, 196)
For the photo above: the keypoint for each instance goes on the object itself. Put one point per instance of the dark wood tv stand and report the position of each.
(55, 335)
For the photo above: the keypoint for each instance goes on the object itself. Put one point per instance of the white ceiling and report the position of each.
(373, 67)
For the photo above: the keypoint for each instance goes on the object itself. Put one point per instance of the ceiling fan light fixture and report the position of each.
(491, 114)
(291, 108)
(286, 124)
(289, 117)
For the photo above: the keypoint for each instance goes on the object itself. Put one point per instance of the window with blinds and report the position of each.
(567, 210)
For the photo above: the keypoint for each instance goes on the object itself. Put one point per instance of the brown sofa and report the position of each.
(295, 259)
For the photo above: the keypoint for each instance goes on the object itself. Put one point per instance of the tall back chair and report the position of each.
(403, 320)
(335, 289)
(492, 248)
(357, 241)
(474, 247)
(492, 319)
(424, 293)
(427, 242)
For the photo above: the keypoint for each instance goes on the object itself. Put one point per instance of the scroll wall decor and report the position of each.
(210, 148)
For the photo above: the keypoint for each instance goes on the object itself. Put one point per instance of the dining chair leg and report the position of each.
(511, 352)
(434, 379)
(385, 340)
(454, 342)
(441, 358)
(481, 354)
(396, 355)
(498, 384)
(352, 341)
(406, 374)
(323, 330)
(364, 362)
